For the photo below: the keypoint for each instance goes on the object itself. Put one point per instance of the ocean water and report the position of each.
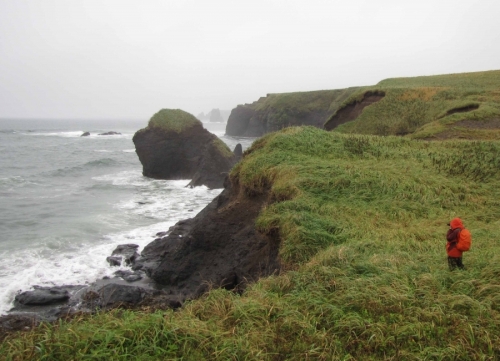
(67, 201)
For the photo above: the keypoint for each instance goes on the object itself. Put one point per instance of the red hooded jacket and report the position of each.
(456, 226)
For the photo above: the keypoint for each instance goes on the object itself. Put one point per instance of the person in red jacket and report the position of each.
(454, 255)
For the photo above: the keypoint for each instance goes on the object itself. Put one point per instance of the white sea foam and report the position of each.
(83, 264)
(160, 199)
(158, 202)
(78, 134)
(65, 134)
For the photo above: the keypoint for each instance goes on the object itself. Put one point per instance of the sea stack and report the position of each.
(175, 145)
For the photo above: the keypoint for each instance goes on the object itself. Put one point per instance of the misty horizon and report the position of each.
(127, 60)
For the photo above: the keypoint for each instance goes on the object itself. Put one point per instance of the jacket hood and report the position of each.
(456, 223)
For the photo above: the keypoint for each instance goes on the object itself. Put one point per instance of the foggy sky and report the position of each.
(128, 59)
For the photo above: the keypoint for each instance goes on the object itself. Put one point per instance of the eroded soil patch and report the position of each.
(351, 111)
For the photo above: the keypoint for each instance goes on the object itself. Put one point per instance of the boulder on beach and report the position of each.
(175, 145)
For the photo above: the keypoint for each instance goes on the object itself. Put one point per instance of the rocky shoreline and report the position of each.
(219, 247)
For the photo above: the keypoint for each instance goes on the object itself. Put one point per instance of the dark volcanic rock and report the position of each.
(238, 151)
(278, 111)
(219, 247)
(43, 296)
(129, 276)
(114, 293)
(110, 133)
(168, 150)
(114, 260)
(86, 134)
(127, 252)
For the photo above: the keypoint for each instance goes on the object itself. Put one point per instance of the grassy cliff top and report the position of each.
(362, 222)
(463, 105)
(302, 102)
(175, 120)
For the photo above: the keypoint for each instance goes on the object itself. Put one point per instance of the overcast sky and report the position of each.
(128, 59)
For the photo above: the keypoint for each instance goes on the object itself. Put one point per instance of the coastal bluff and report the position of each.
(277, 111)
(175, 145)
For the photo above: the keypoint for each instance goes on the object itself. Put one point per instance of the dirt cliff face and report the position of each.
(218, 248)
(193, 153)
(351, 111)
(278, 111)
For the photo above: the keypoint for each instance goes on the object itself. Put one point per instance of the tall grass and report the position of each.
(362, 221)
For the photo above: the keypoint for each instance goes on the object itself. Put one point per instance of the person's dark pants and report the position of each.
(454, 262)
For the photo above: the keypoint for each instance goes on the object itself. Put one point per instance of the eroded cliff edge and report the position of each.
(220, 247)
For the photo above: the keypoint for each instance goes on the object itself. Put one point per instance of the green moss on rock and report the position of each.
(175, 120)
(222, 148)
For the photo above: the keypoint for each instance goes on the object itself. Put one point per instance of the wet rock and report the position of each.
(113, 294)
(110, 133)
(86, 134)
(220, 247)
(129, 276)
(114, 260)
(43, 296)
(238, 151)
(127, 252)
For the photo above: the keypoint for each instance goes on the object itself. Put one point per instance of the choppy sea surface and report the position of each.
(67, 201)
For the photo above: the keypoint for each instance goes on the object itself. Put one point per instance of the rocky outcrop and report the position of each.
(215, 116)
(220, 247)
(175, 145)
(124, 253)
(110, 133)
(45, 295)
(85, 134)
(277, 111)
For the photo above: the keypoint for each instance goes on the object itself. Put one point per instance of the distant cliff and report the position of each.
(465, 105)
(277, 111)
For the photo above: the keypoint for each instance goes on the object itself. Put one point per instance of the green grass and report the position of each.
(423, 106)
(222, 147)
(175, 120)
(362, 221)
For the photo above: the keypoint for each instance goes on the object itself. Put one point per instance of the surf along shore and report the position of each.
(360, 221)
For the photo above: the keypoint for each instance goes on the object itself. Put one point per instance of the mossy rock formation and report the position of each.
(175, 145)
(278, 111)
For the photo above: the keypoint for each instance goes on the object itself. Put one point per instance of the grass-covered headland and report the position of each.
(362, 221)
(465, 105)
